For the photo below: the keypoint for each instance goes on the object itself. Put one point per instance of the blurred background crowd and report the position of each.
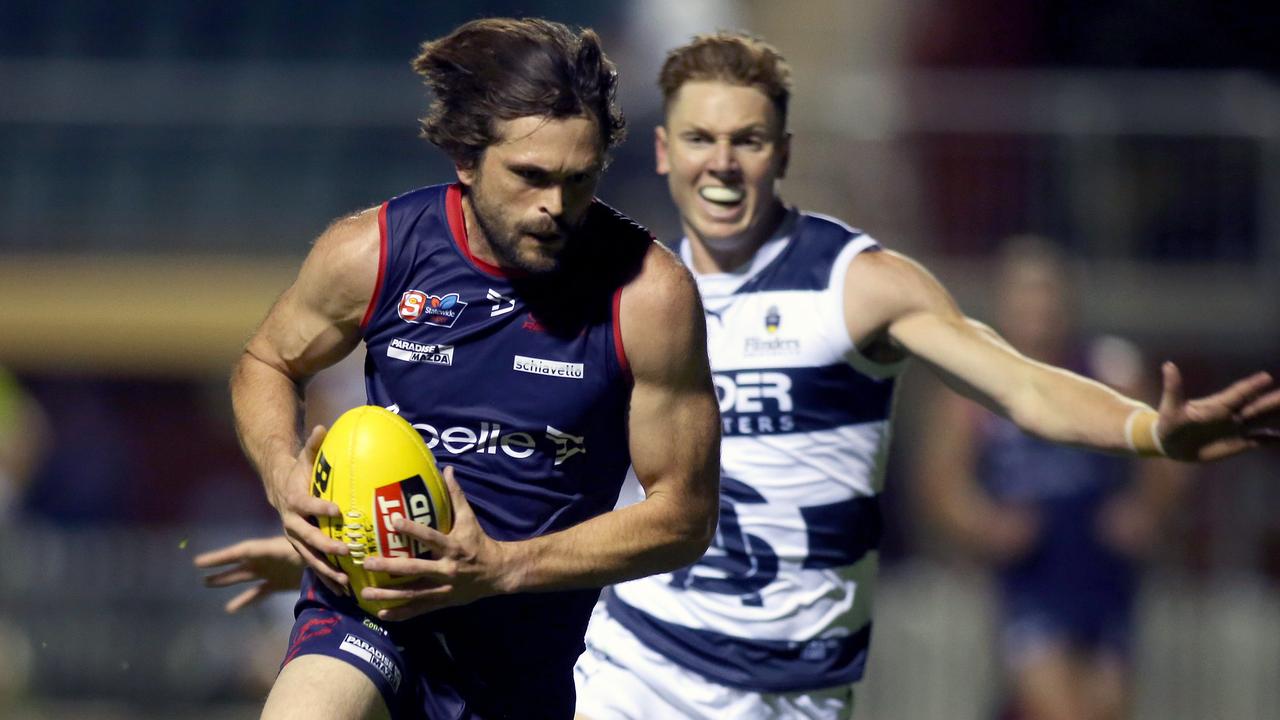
(164, 166)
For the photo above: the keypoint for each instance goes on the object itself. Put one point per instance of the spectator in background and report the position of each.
(1064, 530)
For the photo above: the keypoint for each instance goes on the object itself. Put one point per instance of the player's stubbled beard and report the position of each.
(504, 235)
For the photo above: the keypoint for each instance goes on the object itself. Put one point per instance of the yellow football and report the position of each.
(375, 467)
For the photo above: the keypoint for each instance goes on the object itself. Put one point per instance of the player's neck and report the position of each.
(477, 242)
(722, 255)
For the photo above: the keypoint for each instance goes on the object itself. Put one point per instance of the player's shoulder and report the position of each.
(889, 281)
(886, 270)
(825, 230)
(662, 280)
(815, 258)
(660, 313)
(342, 267)
(351, 241)
(604, 219)
(408, 208)
(611, 253)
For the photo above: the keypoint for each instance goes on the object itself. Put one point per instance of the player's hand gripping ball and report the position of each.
(375, 467)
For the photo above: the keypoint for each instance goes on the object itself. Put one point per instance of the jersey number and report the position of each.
(737, 563)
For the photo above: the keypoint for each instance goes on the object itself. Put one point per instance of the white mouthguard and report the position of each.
(718, 194)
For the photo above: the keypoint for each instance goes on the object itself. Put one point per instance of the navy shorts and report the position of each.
(1089, 609)
(417, 672)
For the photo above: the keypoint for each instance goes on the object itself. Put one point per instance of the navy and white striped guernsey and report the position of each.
(782, 600)
(521, 384)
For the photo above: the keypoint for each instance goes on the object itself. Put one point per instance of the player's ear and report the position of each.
(466, 171)
(660, 150)
(784, 152)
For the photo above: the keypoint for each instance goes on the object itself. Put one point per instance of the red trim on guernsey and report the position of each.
(458, 227)
(618, 349)
(382, 266)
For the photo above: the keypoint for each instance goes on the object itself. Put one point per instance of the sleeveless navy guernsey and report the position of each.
(1071, 585)
(521, 384)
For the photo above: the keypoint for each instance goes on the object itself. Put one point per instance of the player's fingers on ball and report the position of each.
(313, 537)
(429, 570)
(312, 446)
(331, 578)
(456, 496)
(304, 504)
(320, 565)
(400, 592)
(430, 536)
(312, 554)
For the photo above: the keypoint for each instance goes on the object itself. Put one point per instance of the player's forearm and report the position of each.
(656, 535)
(268, 409)
(1063, 407)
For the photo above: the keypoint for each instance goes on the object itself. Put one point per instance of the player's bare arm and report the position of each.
(674, 443)
(313, 325)
(894, 306)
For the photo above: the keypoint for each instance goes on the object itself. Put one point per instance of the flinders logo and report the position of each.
(772, 319)
(772, 345)
(755, 347)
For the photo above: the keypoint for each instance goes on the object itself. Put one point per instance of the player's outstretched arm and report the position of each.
(271, 564)
(893, 302)
(315, 323)
(674, 433)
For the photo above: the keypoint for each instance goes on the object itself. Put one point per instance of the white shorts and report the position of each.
(621, 678)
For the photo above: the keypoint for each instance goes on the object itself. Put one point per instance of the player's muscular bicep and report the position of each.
(884, 288)
(674, 417)
(317, 320)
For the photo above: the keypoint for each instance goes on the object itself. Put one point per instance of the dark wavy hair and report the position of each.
(502, 69)
(733, 57)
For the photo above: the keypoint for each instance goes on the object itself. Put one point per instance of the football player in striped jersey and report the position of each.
(809, 323)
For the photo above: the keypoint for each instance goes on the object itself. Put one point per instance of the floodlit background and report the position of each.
(164, 166)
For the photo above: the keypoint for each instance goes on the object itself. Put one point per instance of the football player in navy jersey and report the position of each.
(1064, 532)
(809, 322)
(582, 349)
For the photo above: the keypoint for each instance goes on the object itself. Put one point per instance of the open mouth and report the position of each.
(721, 195)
